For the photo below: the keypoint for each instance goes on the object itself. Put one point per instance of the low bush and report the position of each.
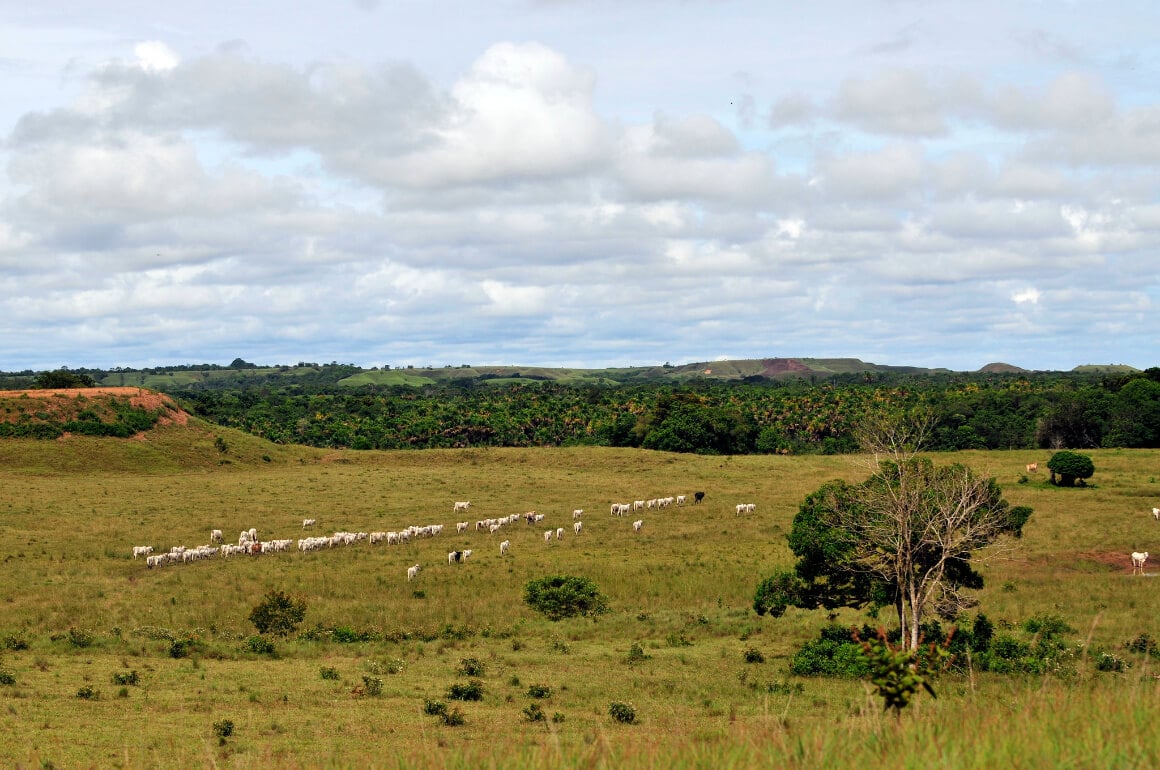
(126, 677)
(622, 712)
(88, 693)
(260, 645)
(539, 691)
(471, 667)
(533, 713)
(372, 686)
(565, 596)
(472, 690)
(753, 655)
(329, 672)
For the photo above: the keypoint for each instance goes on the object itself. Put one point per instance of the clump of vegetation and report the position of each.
(834, 653)
(6, 676)
(183, 646)
(471, 690)
(636, 654)
(897, 672)
(754, 655)
(622, 712)
(565, 596)
(452, 718)
(13, 642)
(88, 693)
(329, 672)
(533, 713)
(1070, 467)
(557, 717)
(471, 667)
(1106, 661)
(372, 686)
(80, 637)
(1144, 645)
(260, 645)
(278, 614)
(539, 691)
(126, 678)
(434, 708)
(223, 728)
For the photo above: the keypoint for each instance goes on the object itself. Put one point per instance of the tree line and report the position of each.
(967, 412)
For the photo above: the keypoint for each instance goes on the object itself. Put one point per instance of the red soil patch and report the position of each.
(138, 397)
(771, 367)
(1113, 560)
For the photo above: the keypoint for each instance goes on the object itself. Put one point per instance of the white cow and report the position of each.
(503, 547)
(412, 572)
(580, 512)
(559, 533)
(1138, 560)
(461, 526)
(547, 535)
(461, 506)
(636, 525)
(1156, 513)
(308, 523)
(215, 535)
(577, 526)
(142, 550)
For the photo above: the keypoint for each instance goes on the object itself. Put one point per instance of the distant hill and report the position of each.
(185, 377)
(1001, 368)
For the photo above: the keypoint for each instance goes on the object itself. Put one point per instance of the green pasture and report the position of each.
(72, 510)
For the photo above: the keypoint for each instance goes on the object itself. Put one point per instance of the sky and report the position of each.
(582, 183)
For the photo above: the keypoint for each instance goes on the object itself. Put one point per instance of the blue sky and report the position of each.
(579, 182)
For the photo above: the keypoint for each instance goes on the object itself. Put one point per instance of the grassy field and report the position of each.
(90, 615)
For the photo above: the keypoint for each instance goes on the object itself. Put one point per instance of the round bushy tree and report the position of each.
(278, 614)
(564, 596)
(1070, 467)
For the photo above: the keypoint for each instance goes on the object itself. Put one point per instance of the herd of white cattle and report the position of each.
(250, 544)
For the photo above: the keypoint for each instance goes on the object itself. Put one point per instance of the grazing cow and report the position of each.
(680, 499)
(461, 506)
(454, 556)
(559, 533)
(504, 546)
(547, 535)
(577, 526)
(308, 523)
(412, 572)
(215, 535)
(1032, 467)
(461, 526)
(580, 512)
(698, 497)
(636, 525)
(142, 550)
(1156, 513)
(1138, 560)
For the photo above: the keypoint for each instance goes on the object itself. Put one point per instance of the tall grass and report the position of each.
(681, 590)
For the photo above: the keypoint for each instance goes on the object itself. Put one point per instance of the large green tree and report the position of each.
(904, 537)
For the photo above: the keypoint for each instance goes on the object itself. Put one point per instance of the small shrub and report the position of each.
(372, 686)
(329, 672)
(123, 692)
(453, 718)
(753, 655)
(278, 614)
(223, 729)
(1105, 661)
(181, 648)
(434, 708)
(539, 691)
(260, 645)
(622, 712)
(1143, 644)
(472, 690)
(471, 667)
(678, 640)
(565, 596)
(636, 654)
(560, 646)
(88, 693)
(126, 677)
(79, 637)
(6, 676)
(14, 643)
(533, 713)
(557, 717)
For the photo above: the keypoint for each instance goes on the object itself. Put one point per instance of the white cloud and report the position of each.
(1026, 296)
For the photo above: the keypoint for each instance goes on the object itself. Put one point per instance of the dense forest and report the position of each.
(324, 406)
(969, 412)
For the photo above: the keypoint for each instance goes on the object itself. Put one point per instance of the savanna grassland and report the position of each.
(88, 635)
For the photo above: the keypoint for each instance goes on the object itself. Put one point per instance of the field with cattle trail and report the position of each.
(107, 663)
